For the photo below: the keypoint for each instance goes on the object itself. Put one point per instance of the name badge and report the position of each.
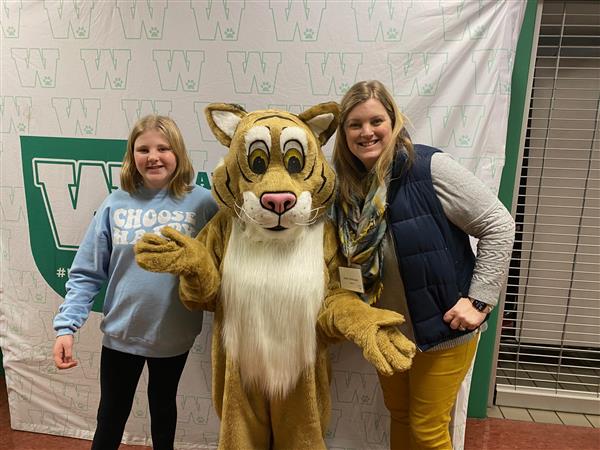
(351, 279)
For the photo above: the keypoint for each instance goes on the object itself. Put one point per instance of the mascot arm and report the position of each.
(374, 330)
(194, 260)
(201, 291)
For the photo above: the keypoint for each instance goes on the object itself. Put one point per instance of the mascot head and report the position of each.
(275, 177)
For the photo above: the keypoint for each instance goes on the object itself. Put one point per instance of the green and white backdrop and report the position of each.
(76, 75)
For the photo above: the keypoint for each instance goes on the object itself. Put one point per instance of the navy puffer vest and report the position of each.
(434, 256)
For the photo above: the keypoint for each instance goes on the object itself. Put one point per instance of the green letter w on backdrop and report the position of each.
(66, 180)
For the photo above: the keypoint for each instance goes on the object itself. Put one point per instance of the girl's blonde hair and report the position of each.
(131, 179)
(349, 169)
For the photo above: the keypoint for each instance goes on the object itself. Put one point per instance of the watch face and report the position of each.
(479, 305)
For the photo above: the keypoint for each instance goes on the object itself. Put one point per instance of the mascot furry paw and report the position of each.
(267, 265)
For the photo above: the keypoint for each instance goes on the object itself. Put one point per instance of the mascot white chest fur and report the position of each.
(271, 297)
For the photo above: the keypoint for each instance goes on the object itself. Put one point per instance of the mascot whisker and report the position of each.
(267, 265)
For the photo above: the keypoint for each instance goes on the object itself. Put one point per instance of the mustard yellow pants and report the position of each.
(421, 399)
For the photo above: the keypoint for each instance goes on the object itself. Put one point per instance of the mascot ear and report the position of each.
(322, 119)
(223, 119)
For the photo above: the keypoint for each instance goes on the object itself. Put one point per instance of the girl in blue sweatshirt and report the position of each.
(144, 320)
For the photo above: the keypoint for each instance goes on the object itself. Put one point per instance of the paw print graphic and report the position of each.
(21, 127)
(88, 129)
(10, 31)
(364, 399)
(427, 89)
(309, 34)
(328, 434)
(392, 33)
(81, 32)
(505, 88)
(464, 140)
(190, 85)
(118, 83)
(265, 86)
(47, 81)
(138, 413)
(478, 32)
(229, 33)
(154, 32)
(344, 87)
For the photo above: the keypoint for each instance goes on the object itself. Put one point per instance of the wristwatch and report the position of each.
(481, 306)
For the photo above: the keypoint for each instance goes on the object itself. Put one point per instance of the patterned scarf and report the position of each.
(361, 231)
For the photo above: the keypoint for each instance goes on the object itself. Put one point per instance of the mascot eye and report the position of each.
(293, 157)
(258, 157)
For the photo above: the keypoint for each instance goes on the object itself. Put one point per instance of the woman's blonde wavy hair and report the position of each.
(131, 179)
(351, 173)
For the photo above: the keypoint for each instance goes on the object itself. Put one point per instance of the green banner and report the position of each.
(65, 180)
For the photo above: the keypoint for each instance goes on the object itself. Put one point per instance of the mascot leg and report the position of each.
(249, 420)
(245, 421)
(300, 420)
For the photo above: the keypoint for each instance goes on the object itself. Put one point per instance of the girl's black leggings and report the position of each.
(119, 376)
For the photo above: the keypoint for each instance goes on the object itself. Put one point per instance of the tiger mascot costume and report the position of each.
(267, 265)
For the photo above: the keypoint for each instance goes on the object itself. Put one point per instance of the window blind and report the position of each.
(549, 356)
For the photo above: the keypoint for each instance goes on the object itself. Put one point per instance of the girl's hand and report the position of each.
(63, 352)
(463, 316)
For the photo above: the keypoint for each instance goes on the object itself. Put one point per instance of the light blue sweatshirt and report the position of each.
(143, 314)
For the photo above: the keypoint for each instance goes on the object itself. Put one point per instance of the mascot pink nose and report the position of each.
(278, 202)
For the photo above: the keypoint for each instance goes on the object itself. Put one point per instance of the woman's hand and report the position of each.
(463, 316)
(63, 352)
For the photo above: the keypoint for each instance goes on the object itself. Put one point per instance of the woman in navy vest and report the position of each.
(404, 214)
